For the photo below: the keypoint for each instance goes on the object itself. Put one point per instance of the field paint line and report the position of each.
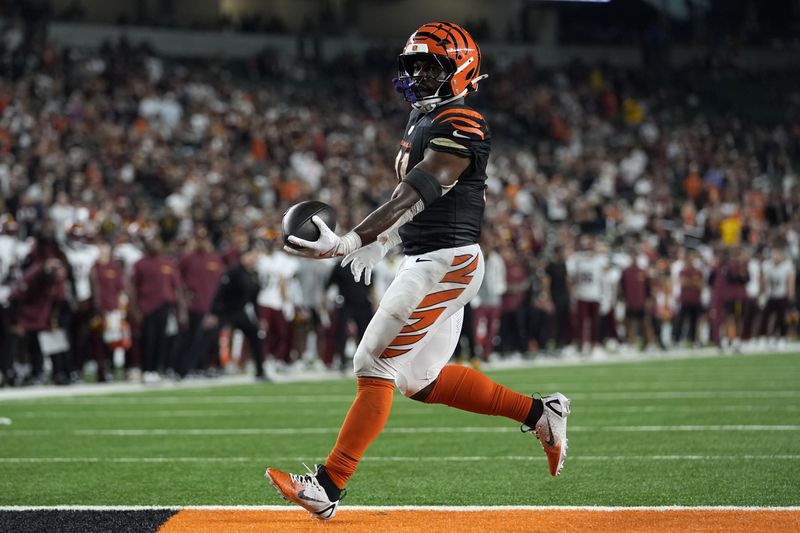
(348, 398)
(445, 459)
(443, 508)
(407, 410)
(135, 432)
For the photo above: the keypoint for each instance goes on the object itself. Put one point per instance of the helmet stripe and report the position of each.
(460, 32)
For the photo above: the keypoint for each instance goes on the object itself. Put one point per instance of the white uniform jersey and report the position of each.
(128, 255)
(754, 285)
(311, 277)
(586, 271)
(82, 258)
(610, 288)
(675, 278)
(776, 278)
(494, 281)
(12, 252)
(274, 272)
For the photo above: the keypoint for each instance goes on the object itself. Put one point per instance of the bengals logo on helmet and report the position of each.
(447, 46)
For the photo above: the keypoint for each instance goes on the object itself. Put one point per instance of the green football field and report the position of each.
(700, 431)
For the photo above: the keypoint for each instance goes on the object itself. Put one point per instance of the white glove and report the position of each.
(327, 245)
(364, 260)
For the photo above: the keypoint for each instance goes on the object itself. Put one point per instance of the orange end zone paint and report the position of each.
(414, 521)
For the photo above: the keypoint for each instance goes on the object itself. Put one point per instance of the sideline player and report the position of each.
(436, 211)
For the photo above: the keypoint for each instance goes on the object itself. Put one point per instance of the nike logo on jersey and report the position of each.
(460, 135)
(423, 260)
(302, 496)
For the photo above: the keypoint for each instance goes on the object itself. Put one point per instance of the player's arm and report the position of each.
(431, 178)
(428, 181)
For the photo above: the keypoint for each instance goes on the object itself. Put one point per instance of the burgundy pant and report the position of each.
(279, 339)
(491, 314)
(588, 313)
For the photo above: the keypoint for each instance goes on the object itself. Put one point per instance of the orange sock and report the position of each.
(469, 390)
(365, 420)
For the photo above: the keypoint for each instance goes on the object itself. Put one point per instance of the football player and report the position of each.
(436, 211)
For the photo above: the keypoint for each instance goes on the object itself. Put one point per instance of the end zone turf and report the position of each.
(357, 519)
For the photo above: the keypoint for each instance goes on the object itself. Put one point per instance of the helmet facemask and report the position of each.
(424, 79)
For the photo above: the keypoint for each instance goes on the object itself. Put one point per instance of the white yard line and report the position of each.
(393, 459)
(408, 409)
(348, 398)
(443, 508)
(141, 432)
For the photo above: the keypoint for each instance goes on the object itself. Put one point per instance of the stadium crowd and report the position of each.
(141, 203)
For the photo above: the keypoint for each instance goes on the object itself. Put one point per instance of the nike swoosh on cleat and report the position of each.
(558, 411)
(461, 135)
(550, 440)
(302, 496)
(422, 260)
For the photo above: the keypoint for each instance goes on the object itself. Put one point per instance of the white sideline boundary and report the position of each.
(55, 391)
(442, 508)
(204, 432)
(393, 459)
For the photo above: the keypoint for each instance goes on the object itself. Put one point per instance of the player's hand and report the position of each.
(325, 246)
(364, 260)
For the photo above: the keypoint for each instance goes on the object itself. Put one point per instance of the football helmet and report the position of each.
(439, 63)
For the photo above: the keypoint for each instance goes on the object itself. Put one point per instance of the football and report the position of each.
(297, 221)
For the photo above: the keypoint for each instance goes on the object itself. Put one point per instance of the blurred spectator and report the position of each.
(200, 269)
(275, 270)
(234, 305)
(488, 301)
(108, 289)
(353, 304)
(690, 290)
(780, 288)
(559, 293)
(157, 304)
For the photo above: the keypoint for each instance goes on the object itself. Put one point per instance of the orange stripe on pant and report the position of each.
(462, 275)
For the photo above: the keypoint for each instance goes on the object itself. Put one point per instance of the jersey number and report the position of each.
(401, 163)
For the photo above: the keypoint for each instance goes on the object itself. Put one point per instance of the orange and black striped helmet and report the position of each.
(450, 48)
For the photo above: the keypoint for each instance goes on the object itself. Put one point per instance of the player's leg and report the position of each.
(428, 379)
(375, 363)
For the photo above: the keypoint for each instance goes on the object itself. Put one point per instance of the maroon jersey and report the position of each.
(200, 274)
(691, 286)
(634, 287)
(36, 296)
(719, 287)
(516, 275)
(231, 256)
(109, 284)
(155, 279)
(737, 276)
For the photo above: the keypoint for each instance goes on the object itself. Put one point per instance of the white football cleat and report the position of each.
(305, 491)
(551, 430)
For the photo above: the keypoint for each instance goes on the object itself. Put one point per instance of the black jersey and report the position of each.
(455, 218)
